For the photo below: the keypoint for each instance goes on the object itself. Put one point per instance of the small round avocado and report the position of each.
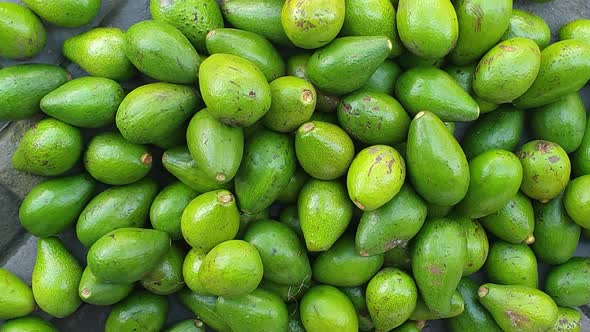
(325, 308)
(577, 200)
(166, 278)
(313, 23)
(293, 101)
(22, 34)
(166, 209)
(512, 264)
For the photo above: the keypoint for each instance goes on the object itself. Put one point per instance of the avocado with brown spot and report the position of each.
(568, 320)
(313, 23)
(568, 283)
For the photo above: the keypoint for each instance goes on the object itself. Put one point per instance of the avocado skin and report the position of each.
(384, 78)
(100, 52)
(528, 25)
(312, 24)
(49, 148)
(514, 222)
(55, 204)
(581, 157)
(23, 35)
(162, 52)
(23, 86)
(204, 307)
(187, 325)
(568, 320)
(325, 308)
(28, 323)
(55, 278)
(475, 317)
(116, 207)
(356, 295)
(422, 312)
(140, 311)
(288, 293)
(17, 299)
(166, 209)
(126, 255)
(399, 257)
(166, 278)
(577, 29)
(477, 244)
(65, 13)
(94, 291)
(291, 192)
(577, 200)
(293, 103)
(194, 18)
(512, 264)
(259, 310)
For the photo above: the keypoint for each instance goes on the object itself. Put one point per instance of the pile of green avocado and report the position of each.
(310, 179)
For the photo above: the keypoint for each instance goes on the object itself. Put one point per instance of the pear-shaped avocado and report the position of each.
(100, 52)
(568, 320)
(514, 222)
(28, 323)
(518, 308)
(432, 89)
(528, 25)
(324, 212)
(293, 102)
(423, 312)
(187, 325)
(49, 148)
(126, 255)
(166, 278)
(325, 308)
(190, 270)
(375, 176)
(209, 219)
(391, 225)
(428, 28)
(564, 70)
(283, 255)
(194, 18)
(391, 298)
(94, 291)
(438, 259)
(346, 64)
(323, 149)
(152, 112)
(53, 205)
(477, 244)
(495, 177)
(546, 169)
(249, 46)
(65, 13)
(475, 317)
(234, 89)
(258, 311)
(313, 23)
(16, 299)
(512, 264)
(569, 283)
(267, 167)
(86, 102)
(204, 307)
(481, 24)
(23, 86)
(162, 52)
(581, 157)
(55, 278)
(384, 78)
(437, 166)
(116, 207)
(140, 311)
(23, 35)
(577, 200)
(167, 208)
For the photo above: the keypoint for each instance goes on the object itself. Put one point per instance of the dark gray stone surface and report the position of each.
(17, 249)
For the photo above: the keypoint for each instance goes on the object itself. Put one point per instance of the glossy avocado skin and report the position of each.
(576, 200)
(475, 317)
(140, 311)
(17, 299)
(23, 35)
(422, 312)
(293, 103)
(166, 278)
(94, 291)
(23, 86)
(514, 222)
(568, 283)
(528, 25)
(28, 323)
(101, 53)
(312, 24)
(384, 78)
(477, 244)
(66, 13)
(325, 308)
(359, 301)
(54, 205)
(204, 307)
(577, 29)
(512, 264)
(567, 320)
(166, 209)
(581, 157)
(187, 325)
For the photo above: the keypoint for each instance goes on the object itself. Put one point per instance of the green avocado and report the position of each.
(507, 70)
(501, 129)
(409, 60)
(563, 70)
(347, 63)
(410, 326)
(140, 311)
(65, 13)
(512, 264)
(528, 25)
(428, 28)
(86, 102)
(475, 317)
(568, 320)
(22, 35)
(481, 25)
(562, 122)
(23, 86)
(161, 51)
(248, 218)
(290, 217)
(325, 308)
(267, 167)
(477, 244)
(436, 211)
(49, 148)
(577, 200)
(126, 255)
(569, 283)
(556, 234)
(55, 204)
(423, 313)
(437, 166)
(358, 299)
(577, 29)
(324, 211)
(94, 291)
(293, 103)
(313, 23)
(204, 307)
(166, 209)
(100, 52)
(194, 18)
(384, 78)
(495, 177)
(323, 150)
(190, 270)
(288, 293)
(259, 310)
(399, 257)
(581, 157)
(249, 46)
(432, 89)
(153, 112)
(26, 324)
(463, 74)
(546, 169)
(291, 192)
(55, 278)
(116, 207)
(375, 176)
(438, 259)
(234, 89)
(514, 222)
(17, 297)
(166, 278)
(373, 117)
(393, 224)
(187, 325)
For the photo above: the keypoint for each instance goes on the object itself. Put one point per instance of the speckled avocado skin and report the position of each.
(22, 34)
